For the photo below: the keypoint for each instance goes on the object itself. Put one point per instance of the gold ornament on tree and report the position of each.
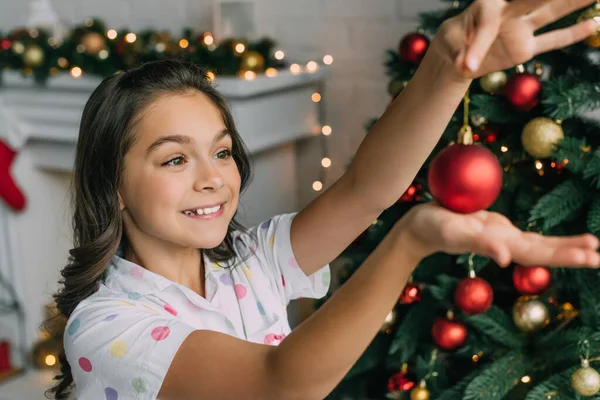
(420, 392)
(33, 56)
(493, 82)
(530, 314)
(252, 61)
(540, 136)
(593, 13)
(586, 380)
(93, 42)
(390, 320)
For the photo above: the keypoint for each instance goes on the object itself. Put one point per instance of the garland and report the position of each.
(91, 48)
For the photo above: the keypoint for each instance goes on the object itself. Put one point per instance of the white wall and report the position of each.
(355, 32)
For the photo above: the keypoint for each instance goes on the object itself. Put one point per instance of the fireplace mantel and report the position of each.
(45, 118)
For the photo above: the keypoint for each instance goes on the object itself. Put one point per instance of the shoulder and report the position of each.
(264, 232)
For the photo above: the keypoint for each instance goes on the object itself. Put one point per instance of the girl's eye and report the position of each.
(174, 162)
(224, 155)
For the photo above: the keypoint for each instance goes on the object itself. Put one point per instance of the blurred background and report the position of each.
(292, 120)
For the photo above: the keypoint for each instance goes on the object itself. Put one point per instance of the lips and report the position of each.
(204, 210)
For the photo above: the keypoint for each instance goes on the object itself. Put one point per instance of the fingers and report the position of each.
(560, 38)
(577, 251)
(554, 10)
(584, 241)
(486, 30)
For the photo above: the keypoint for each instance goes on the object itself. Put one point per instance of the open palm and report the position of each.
(433, 228)
(493, 35)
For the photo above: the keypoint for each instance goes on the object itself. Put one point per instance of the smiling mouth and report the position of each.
(210, 211)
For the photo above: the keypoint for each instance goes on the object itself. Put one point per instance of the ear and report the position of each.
(121, 202)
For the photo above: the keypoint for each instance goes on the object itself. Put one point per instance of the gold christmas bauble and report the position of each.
(586, 380)
(493, 82)
(540, 135)
(395, 87)
(94, 42)
(390, 320)
(419, 393)
(592, 13)
(530, 314)
(33, 56)
(252, 61)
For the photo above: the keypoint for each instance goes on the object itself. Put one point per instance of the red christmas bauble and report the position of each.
(487, 135)
(410, 294)
(531, 280)
(473, 296)
(413, 47)
(400, 382)
(523, 91)
(465, 178)
(411, 194)
(449, 334)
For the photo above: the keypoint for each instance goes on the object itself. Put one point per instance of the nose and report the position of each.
(208, 177)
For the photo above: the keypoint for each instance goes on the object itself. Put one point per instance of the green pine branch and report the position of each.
(565, 98)
(571, 148)
(498, 378)
(593, 218)
(497, 325)
(415, 325)
(560, 205)
(479, 262)
(592, 170)
(496, 109)
(589, 298)
(458, 390)
(558, 386)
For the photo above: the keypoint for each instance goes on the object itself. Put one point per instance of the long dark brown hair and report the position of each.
(105, 135)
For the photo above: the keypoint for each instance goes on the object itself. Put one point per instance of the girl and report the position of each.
(167, 296)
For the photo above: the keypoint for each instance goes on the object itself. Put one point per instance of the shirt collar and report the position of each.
(128, 277)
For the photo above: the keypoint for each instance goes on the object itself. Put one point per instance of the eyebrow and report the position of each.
(182, 139)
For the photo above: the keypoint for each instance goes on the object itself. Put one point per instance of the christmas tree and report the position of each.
(465, 328)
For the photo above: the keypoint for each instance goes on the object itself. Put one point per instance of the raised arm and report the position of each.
(314, 358)
(490, 35)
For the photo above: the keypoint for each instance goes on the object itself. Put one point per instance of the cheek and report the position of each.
(234, 179)
(151, 193)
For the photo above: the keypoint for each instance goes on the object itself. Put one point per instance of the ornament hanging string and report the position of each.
(471, 266)
(465, 135)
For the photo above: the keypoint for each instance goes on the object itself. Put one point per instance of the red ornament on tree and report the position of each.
(411, 194)
(465, 178)
(531, 280)
(410, 294)
(473, 296)
(400, 382)
(523, 91)
(5, 44)
(487, 135)
(413, 47)
(449, 334)
(9, 192)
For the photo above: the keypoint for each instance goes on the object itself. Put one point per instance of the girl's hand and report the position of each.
(493, 35)
(429, 228)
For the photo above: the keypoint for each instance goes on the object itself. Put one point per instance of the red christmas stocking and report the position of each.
(9, 192)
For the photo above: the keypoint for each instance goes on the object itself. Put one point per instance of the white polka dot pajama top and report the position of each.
(120, 341)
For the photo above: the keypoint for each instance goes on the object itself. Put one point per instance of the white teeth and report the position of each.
(210, 210)
(202, 211)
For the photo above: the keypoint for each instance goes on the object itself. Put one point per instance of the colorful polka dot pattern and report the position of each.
(160, 333)
(242, 302)
(118, 348)
(85, 364)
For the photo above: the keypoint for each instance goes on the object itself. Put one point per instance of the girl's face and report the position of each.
(180, 182)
